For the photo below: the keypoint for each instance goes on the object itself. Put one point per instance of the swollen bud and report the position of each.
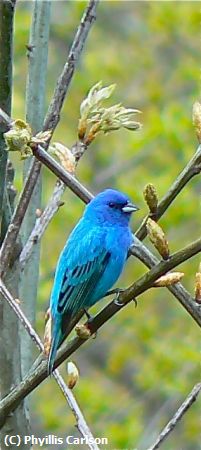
(151, 198)
(65, 156)
(197, 119)
(95, 118)
(157, 237)
(82, 331)
(198, 286)
(82, 128)
(18, 138)
(169, 279)
(47, 333)
(73, 375)
(93, 131)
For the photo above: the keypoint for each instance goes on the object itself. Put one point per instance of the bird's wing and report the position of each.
(81, 265)
(78, 284)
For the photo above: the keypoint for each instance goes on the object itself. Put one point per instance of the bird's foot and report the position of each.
(117, 291)
(114, 291)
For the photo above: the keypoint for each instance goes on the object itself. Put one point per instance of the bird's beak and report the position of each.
(130, 208)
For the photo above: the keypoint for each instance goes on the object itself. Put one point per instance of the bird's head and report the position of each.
(110, 206)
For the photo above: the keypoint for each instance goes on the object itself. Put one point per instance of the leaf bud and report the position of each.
(157, 237)
(73, 374)
(169, 279)
(151, 198)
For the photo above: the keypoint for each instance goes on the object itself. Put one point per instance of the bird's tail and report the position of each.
(57, 336)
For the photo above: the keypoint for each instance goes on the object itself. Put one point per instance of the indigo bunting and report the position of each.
(91, 261)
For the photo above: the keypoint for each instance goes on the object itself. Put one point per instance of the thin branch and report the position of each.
(6, 58)
(21, 316)
(51, 121)
(191, 169)
(7, 247)
(85, 195)
(87, 20)
(42, 223)
(187, 301)
(192, 397)
(81, 423)
(5, 120)
(69, 180)
(39, 373)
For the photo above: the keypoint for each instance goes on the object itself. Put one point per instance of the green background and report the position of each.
(144, 361)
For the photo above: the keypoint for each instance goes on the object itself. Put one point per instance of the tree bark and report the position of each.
(10, 367)
(35, 110)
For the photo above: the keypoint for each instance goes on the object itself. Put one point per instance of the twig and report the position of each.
(145, 255)
(7, 247)
(50, 122)
(85, 195)
(21, 316)
(5, 119)
(191, 169)
(6, 63)
(192, 397)
(36, 376)
(81, 423)
(69, 180)
(42, 223)
(65, 78)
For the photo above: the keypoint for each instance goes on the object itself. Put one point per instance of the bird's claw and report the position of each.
(89, 316)
(118, 303)
(118, 291)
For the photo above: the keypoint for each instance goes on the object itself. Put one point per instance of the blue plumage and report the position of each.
(91, 261)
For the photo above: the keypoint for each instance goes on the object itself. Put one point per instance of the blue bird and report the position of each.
(91, 261)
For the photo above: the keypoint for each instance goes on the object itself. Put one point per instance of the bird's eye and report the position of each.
(111, 205)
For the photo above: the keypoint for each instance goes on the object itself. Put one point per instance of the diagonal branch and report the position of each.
(81, 423)
(7, 247)
(69, 180)
(85, 195)
(42, 223)
(39, 373)
(190, 170)
(81, 191)
(186, 300)
(192, 397)
(51, 122)
(87, 20)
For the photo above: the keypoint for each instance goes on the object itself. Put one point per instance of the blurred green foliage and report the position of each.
(145, 361)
